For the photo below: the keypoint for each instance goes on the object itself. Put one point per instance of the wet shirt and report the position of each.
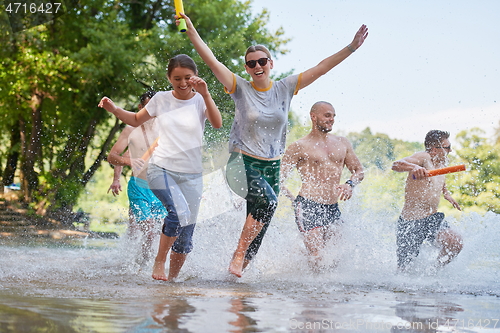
(261, 116)
(180, 124)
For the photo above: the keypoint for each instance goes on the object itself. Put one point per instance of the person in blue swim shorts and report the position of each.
(146, 211)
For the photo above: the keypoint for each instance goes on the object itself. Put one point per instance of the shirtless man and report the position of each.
(419, 219)
(145, 208)
(320, 158)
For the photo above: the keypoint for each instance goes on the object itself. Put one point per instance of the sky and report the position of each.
(426, 64)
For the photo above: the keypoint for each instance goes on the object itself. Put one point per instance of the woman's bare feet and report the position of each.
(159, 271)
(236, 265)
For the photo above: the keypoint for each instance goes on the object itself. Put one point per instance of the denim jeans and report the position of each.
(180, 193)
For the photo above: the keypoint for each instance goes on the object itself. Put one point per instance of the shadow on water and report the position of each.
(96, 285)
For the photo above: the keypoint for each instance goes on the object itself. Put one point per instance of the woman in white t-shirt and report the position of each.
(258, 133)
(175, 169)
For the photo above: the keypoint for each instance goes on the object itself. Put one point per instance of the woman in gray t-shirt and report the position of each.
(258, 134)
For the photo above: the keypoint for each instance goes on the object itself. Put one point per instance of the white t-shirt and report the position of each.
(180, 125)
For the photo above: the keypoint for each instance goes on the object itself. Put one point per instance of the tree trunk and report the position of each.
(12, 156)
(29, 180)
(102, 154)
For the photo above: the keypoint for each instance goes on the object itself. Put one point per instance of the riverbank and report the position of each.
(16, 221)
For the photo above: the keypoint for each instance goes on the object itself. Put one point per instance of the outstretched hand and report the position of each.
(345, 192)
(115, 188)
(107, 104)
(360, 37)
(455, 204)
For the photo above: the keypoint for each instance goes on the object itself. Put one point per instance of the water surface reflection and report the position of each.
(229, 307)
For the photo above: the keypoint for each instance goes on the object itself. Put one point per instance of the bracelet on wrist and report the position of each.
(351, 48)
(350, 183)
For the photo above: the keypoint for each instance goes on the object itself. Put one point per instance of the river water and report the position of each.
(92, 285)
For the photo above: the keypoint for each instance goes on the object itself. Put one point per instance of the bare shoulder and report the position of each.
(122, 141)
(340, 141)
(343, 140)
(420, 157)
(302, 143)
(125, 133)
(296, 147)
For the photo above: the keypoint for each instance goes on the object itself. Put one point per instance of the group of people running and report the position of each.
(170, 185)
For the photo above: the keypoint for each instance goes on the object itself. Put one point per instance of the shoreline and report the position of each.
(16, 222)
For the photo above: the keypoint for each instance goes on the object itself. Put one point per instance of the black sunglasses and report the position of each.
(253, 63)
(447, 148)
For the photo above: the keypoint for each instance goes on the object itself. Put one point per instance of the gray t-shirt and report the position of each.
(261, 116)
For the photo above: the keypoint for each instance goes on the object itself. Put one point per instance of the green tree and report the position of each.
(479, 187)
(382, 189)
(51, 91)
(378, 150)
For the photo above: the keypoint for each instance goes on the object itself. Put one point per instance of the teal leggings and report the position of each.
(257, 181)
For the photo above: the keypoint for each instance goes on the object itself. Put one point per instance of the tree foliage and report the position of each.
(479, 187)
(378, 150)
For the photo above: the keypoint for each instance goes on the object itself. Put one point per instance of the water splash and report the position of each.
(364, 259)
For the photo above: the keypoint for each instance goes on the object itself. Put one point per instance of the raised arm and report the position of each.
(413, 164)
(129, 118)
(221, 72)
(312, 74)
(212, 112)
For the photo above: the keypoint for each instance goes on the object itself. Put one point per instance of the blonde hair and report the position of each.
(255, 48)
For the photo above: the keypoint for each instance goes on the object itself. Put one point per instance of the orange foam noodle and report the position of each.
(443, 171)
(150, 150)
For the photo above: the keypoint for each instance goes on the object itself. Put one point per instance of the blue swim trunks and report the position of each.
(143, 203)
